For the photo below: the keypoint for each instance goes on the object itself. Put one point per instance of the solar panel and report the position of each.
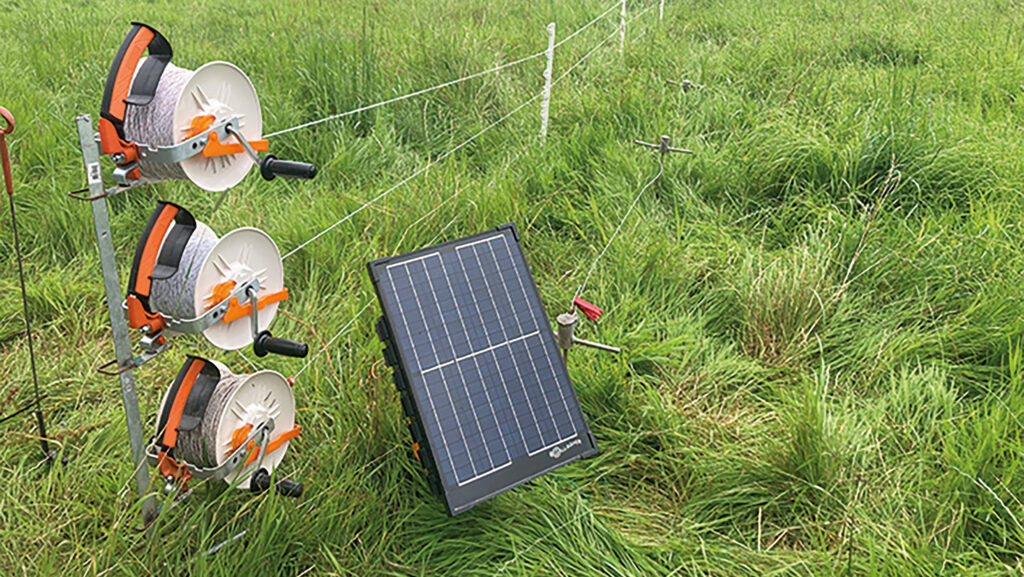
(487, 395)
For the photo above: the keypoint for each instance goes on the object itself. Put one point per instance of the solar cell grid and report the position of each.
(488, 387)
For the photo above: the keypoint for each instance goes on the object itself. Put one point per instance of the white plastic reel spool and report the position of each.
(240, 400)
(222, 90)
(239, 256)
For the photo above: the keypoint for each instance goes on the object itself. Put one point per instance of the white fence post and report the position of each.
(622, 28)
(661, 10)
(545, 103)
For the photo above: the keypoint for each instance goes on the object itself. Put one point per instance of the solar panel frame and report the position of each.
(395, 331)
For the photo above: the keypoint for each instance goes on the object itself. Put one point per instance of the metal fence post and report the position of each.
(112, 286)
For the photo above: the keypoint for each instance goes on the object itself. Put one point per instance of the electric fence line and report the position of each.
(629, 211)
(587, 25)
(663, 148)
(445, 155)
(438, 86)
(336, 335)
(423, 169)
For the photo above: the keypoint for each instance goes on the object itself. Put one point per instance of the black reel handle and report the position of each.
(261, 481)
(265, 343)
(270, 167)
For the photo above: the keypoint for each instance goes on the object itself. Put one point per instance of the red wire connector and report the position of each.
(591, 310)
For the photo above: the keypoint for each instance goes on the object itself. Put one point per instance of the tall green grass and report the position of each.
(820, 311)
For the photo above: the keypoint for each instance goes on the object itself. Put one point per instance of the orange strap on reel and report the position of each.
(183, 411)
(153, 262)
(125, 87)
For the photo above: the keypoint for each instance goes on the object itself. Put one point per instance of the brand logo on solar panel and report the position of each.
(484, 387)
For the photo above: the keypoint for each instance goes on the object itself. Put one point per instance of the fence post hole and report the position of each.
(545, 103)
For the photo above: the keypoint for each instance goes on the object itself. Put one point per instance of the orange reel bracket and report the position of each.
(139, 317)
(112, 143)
(273, 445)
(168, 467)
(237, 310)
(214, 147)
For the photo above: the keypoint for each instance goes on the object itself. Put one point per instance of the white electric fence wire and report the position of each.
(336, 335)
(587, 25)
(576, 64)
(366, 306)
(407, 96)
(639, 14)
(426, 167)
(585, 57)
(247, 359)
(412, 176)
(597, 46)
(439, 86)
(579, 292)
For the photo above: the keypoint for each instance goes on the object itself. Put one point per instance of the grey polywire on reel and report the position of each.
(153, 124)
(176, 295)
(216, 89)
(208, 262)
(237, 401)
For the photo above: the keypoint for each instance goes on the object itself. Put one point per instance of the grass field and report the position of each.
(820, 310)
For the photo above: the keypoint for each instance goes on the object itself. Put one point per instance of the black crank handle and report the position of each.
(289, 488)
(260, 482)
(270, 167)
(265, 343)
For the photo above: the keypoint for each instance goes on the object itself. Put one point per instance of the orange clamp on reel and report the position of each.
(214, 147)
(253, 450)
(237, 311)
